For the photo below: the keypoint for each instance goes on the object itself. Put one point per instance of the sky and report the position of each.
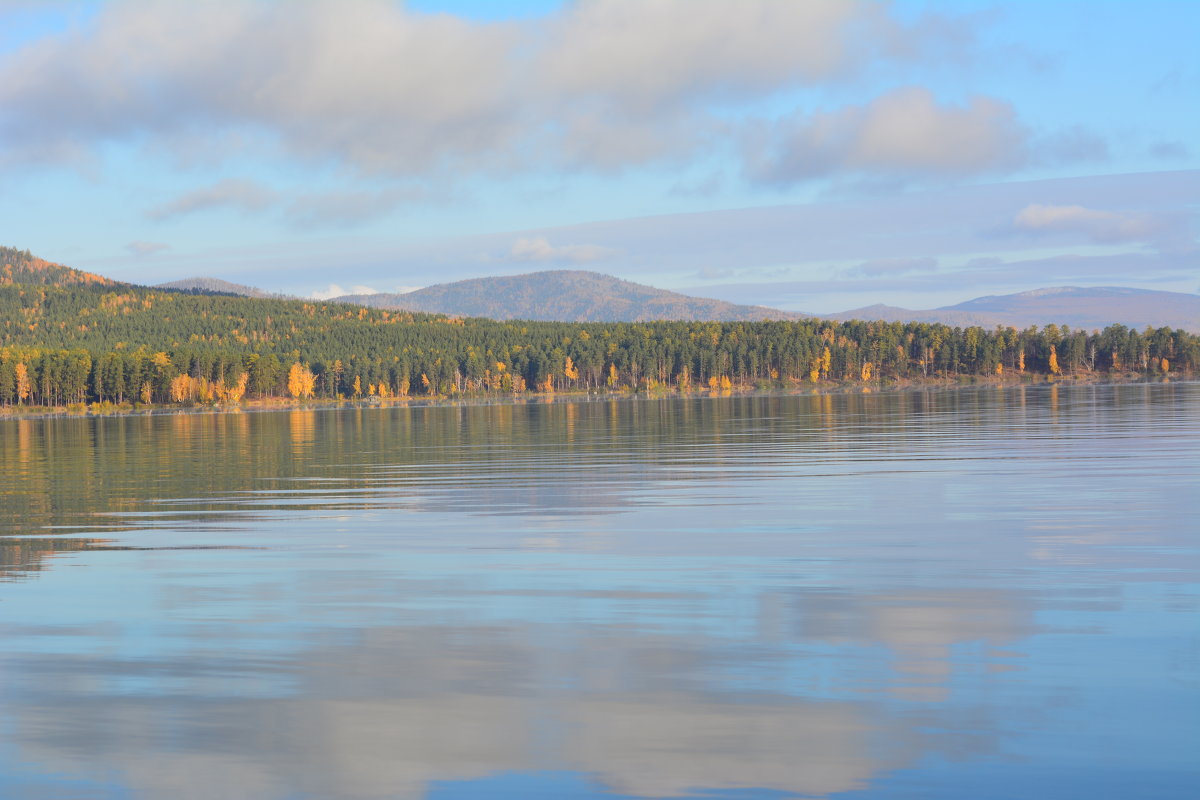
(815, 155)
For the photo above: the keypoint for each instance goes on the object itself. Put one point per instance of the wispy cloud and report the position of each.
(819, 241)
(1167, 232)
(243, 195)
(539, 249)
(904, 132)
(1100, 226)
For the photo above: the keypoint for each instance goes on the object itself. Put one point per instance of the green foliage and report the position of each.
(21, 266)
(89, 343)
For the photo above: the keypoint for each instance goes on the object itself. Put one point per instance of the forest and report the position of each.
(98, 342)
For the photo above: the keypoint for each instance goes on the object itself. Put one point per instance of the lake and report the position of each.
(969, 593)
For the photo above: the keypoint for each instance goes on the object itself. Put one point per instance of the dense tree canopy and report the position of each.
(113, 343)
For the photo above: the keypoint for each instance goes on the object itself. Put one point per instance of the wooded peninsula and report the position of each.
(88, 341)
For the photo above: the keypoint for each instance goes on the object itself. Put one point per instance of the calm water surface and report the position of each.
(986, 593)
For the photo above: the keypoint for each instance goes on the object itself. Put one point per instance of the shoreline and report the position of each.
(266, 405)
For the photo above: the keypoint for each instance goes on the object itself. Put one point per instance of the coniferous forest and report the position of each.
(89, 340)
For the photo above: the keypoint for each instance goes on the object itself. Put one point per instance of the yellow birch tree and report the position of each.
(301, 381)
(24, 386)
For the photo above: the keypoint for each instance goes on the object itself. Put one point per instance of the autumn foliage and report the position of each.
(93, 342)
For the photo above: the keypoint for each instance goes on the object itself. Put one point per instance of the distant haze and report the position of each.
(1090, 308)
(564, 295)
(807, 155)
(213, 285)
(578, 296)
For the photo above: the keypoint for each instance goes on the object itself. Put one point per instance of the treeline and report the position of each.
(89, 344)
(22, 267)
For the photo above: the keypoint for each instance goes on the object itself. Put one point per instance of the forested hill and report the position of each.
(565, 296)
(21, 267)
(102, 342)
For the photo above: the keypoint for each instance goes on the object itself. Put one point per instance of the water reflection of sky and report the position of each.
(975, 594)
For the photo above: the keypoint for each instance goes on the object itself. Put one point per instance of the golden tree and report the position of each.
(234, 393)
(24, 386)
(181, 388)
(301, 381)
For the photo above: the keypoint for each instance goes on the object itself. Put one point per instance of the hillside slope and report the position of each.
(565, 296)
(20, 266)
(213, 285)
(1089, 308)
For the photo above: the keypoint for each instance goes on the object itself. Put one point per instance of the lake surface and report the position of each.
(975, 593)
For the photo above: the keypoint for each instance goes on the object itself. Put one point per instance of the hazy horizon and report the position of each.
(815, 156)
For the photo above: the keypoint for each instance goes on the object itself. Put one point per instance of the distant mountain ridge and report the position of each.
(580, 296)
(215, 285)
(1091, 308)
(566, 296)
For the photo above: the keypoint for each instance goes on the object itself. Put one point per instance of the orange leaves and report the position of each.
(720, 383)
(181, 388)
(301, 381)
(24, 387)
(234, 392)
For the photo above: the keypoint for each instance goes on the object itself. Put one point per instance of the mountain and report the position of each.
(19, 266)
(565, 296)
(1088, 308)
(962, 319)
(213, 286)
(579, 296)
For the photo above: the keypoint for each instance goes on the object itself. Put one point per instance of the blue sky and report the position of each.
(815, 156)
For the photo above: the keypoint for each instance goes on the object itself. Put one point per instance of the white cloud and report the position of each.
(647, 54)
(239, 194)
(539, 249)
(904, 132)
(334, 290)
(817, 239)
(1098, 226)
(597, 84)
